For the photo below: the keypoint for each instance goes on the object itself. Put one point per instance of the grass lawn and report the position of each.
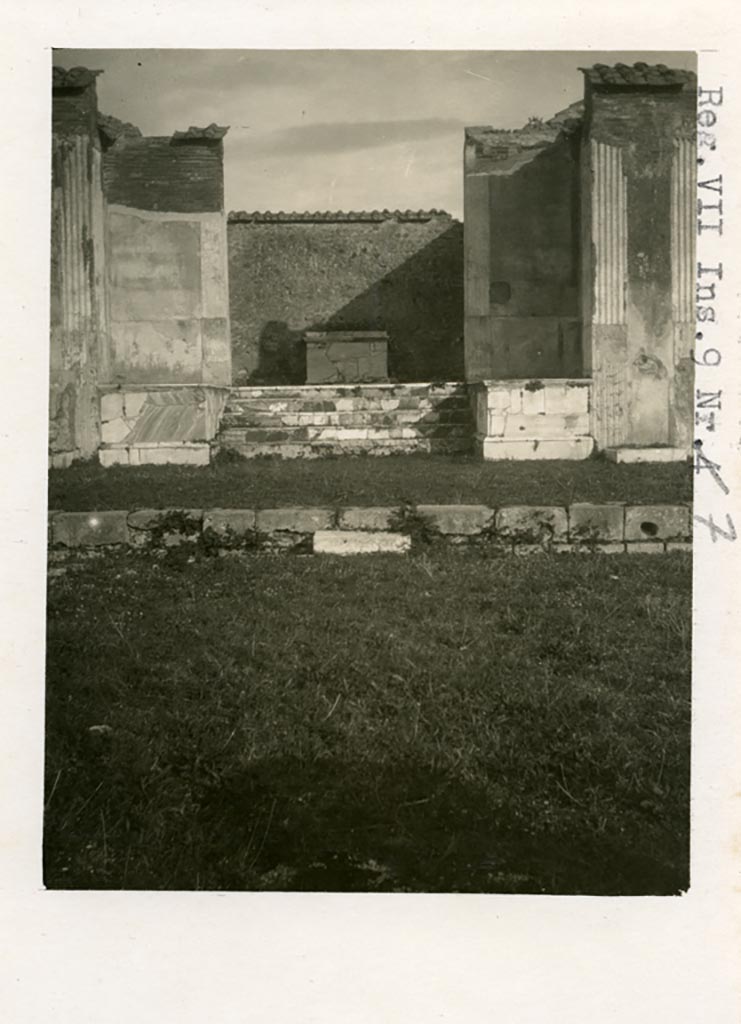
(439, 723)
(357, 480)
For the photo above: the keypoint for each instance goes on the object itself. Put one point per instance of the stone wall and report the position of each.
(399, 273)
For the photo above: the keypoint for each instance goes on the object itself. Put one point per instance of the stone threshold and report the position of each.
(607, 528)
(629, 455)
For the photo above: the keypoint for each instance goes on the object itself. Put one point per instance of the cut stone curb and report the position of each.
(224, 521)
(588, 522)
(374, 517)
(657, 522)
(294, 520)
(89, 529)
(467, 520)
(359, 542)
(532, 524)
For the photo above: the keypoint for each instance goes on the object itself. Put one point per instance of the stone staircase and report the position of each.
(311, 421)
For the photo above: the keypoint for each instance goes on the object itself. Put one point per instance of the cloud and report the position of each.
(346, 136)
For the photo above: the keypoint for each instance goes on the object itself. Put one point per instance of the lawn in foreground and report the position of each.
(440, 723)
(358, 480)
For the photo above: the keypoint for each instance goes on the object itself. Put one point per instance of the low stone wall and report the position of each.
(611, 528)
(373, 419)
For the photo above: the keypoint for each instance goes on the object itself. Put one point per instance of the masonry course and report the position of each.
(522, 529)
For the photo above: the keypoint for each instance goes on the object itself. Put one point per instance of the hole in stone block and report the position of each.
(650, 529)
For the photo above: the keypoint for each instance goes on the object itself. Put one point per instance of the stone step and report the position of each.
(361, 419)
(320, 392)
(319, 434)
(344, 404)
(326, 449)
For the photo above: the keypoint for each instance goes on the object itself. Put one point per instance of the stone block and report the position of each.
(229, 521)
(143, 520)
(111, 406)
(90, 529)
(550, 448)
(657, 522)
(645, 547)
(359, 542)
(372, 518)
(467, 520)
(589, 522)
(567, 399)
(146, 518)
(113, 457)
(679, 545)
(62, 460)
(546, 425)
(631, 455)
(502, 398)
(532, 524)
(294, 520)
(175, 454)
(533, 400)
(497, 424)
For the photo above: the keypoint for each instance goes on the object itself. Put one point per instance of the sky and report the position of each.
(341, 129)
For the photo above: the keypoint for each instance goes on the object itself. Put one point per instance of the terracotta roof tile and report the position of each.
(75, 78)
(638, 76)
(336, 216)
(213, 131)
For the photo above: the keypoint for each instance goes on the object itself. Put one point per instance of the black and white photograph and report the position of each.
(371, 424)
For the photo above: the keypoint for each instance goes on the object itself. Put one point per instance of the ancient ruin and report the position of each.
(557, 319)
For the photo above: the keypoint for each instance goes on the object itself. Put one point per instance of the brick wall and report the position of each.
(177, 175)
(402, 276)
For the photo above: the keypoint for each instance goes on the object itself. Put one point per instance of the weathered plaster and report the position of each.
(169, 303)
(521, 248)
